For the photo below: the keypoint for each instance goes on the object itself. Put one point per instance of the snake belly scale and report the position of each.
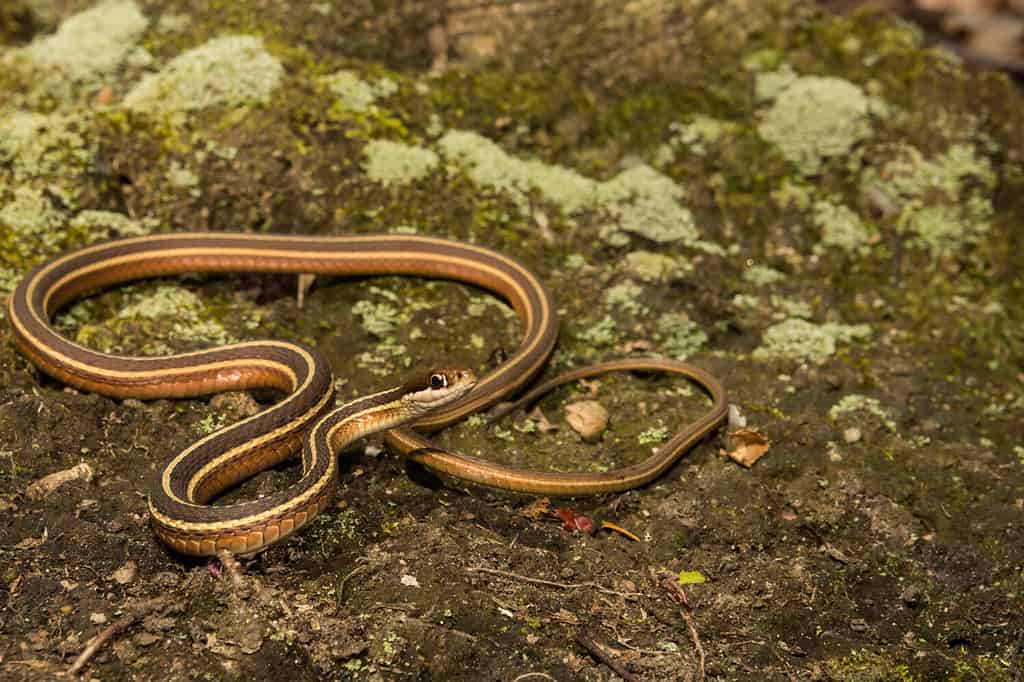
(178, 501)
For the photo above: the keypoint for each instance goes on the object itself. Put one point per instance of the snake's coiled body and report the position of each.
(178, 501)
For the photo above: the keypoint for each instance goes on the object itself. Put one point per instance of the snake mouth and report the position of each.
(437, 387)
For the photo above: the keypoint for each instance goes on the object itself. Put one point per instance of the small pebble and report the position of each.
(852, 434)
(125, 574)
(587, 418)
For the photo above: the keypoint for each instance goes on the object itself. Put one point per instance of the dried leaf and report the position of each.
(691, 578)
(572, 520)
(42, 488)
(32, 543)
(538, 418)
(751, 445)
(620, 530)
(537, 509)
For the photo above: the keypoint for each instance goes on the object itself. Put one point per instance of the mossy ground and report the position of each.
(880, 538)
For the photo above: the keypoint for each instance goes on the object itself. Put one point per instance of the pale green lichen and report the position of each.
(379, 318)
(943, 203)
(385, 358)
(678, 336)
(653, 267)
(603, 333)
(696, 137)
(575, 261)
(762, 275)
(841, 228)
(181, 177)
(38, 145)
(645, 202)
(106, 224)
(91, 44)
(229, 71)
(813, 118)
(770, 84)
(32, 221)
(487, 164)
(793, 194)
(170, 22)
(639, 200)
(797, 339)
(655, 434)
(859, 403)
(190, 324)
(355, 94)
(394, 163)
(625, 296)
(485, 305)
(788, 307)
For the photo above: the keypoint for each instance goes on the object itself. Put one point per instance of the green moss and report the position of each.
(864, 666)
(231, 71)
(841, 228)
(813, 118)
(394, 163)
(92, 44)
(797, 339)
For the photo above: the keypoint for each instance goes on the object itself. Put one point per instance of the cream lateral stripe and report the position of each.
(149, 255)
(90, 371)
(362, 414)
(300, 500)
(313, 242)
(240, 252)
(234, 453)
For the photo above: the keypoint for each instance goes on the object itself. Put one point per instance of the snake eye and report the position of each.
(438, 381)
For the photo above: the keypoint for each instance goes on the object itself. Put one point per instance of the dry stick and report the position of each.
(135, 612)
(588, 643)
(549, 583)
(676, 594)
(1016, 670)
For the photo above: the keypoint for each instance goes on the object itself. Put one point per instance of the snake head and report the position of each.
(434, 388)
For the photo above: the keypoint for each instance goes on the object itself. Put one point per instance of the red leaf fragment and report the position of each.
(573, 520)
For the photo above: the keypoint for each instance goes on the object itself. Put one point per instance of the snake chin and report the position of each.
(437, 387)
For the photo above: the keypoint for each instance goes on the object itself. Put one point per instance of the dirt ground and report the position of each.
(818, 209)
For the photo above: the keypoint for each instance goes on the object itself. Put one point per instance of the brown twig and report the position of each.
(550, 583)
(135, 612)
(588, 643)
(676, 594)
